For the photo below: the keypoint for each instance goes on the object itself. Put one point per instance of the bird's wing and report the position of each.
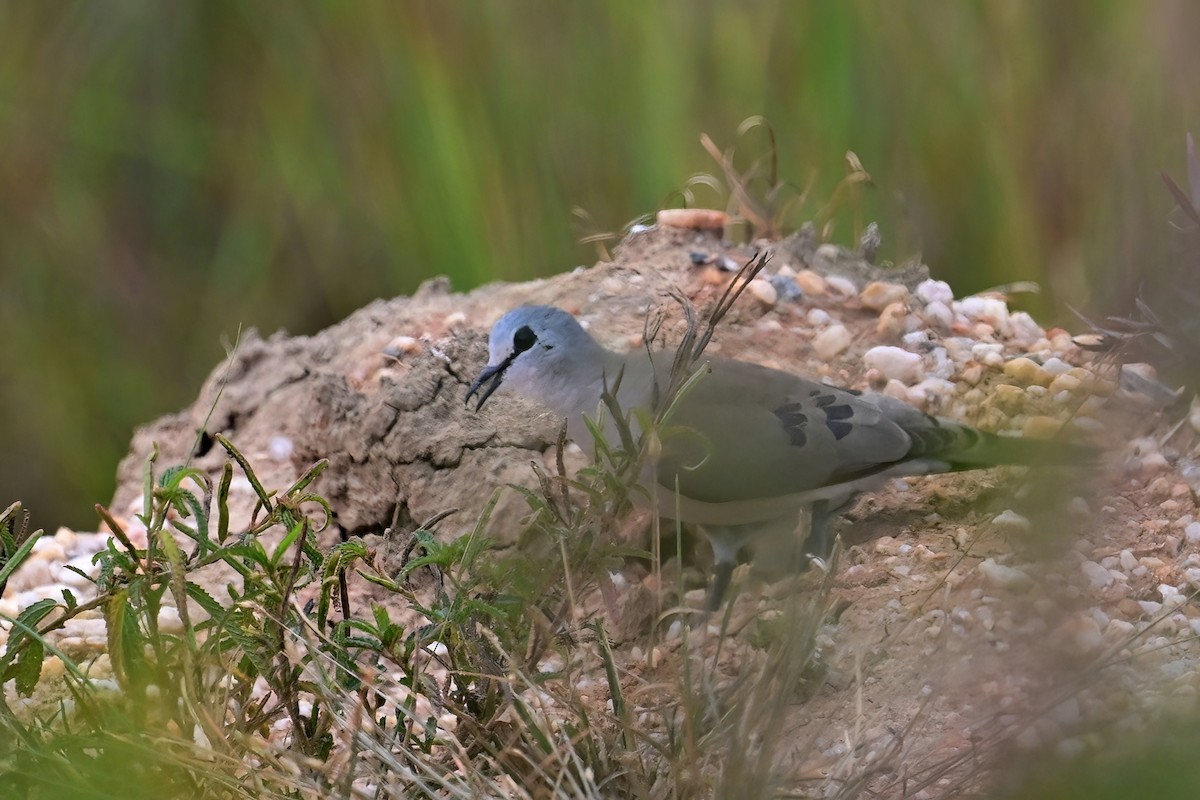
(746, 432)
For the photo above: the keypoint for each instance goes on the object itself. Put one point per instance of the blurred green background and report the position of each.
(172, 170)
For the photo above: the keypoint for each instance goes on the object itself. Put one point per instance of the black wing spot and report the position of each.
(839, 429)
(814, 393)
(826, 400)
(794, 419)
(839, 412)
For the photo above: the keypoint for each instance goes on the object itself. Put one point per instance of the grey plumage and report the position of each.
(748, 446)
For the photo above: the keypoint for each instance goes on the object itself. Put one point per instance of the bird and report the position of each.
(747, 448)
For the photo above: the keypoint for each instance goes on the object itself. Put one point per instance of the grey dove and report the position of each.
(749, 447)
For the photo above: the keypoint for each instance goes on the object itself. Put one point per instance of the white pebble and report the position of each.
(1056, 366)
(831, 341)
(932, 291)
(1024, 330)
(1150, 608)
(936, 391)
(938, 315)
(403, 345)
(1003, 577)
(943, 366)
(1192, 532)
(843, 286)
(894, 363)
(990, 310)
(1119, 629)
(1086, 635)
(818, 317)
(49, 591)
(169, 620)
(1097, 576)
(763, 291)
(280, 447)
(1012, 521)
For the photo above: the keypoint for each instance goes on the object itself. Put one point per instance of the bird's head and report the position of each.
(531, 350)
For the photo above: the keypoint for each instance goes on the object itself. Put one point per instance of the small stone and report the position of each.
(938, 315)
(892, 320)
(1098, 577)
(1024, 330)
(1150, 608)
(931, 291)
(931, 393)
(402, 346)
(1004, 577)
(66, 538)
(786, 287)
(988, 354)
(991, 311)
(895, 363)
(1118, 629)
(1026, 371)
(1065, 383)
(972, 374)
(1192, 576)
(818, 317)
(1009, 520)
(887, 546)
(832, 341)
(810, 282)
(842, 286)
(1192, 532)
(1159, 488)
(1083, 634)
(280, 447)
(1056, 366)
(878, 295)
(169, 621)
(763, 291)
(1041, 427)
(896, 390)
(1009, 399)
(697, 218)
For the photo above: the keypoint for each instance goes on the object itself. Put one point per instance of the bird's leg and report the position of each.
(817, 543)
(725, 545)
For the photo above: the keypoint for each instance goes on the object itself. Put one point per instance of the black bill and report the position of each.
(495, 374)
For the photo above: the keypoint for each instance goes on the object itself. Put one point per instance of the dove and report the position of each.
(746, 448)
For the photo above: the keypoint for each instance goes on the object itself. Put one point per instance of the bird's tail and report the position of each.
(964, 447)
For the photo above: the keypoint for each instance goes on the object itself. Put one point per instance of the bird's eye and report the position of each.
(523, 339)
